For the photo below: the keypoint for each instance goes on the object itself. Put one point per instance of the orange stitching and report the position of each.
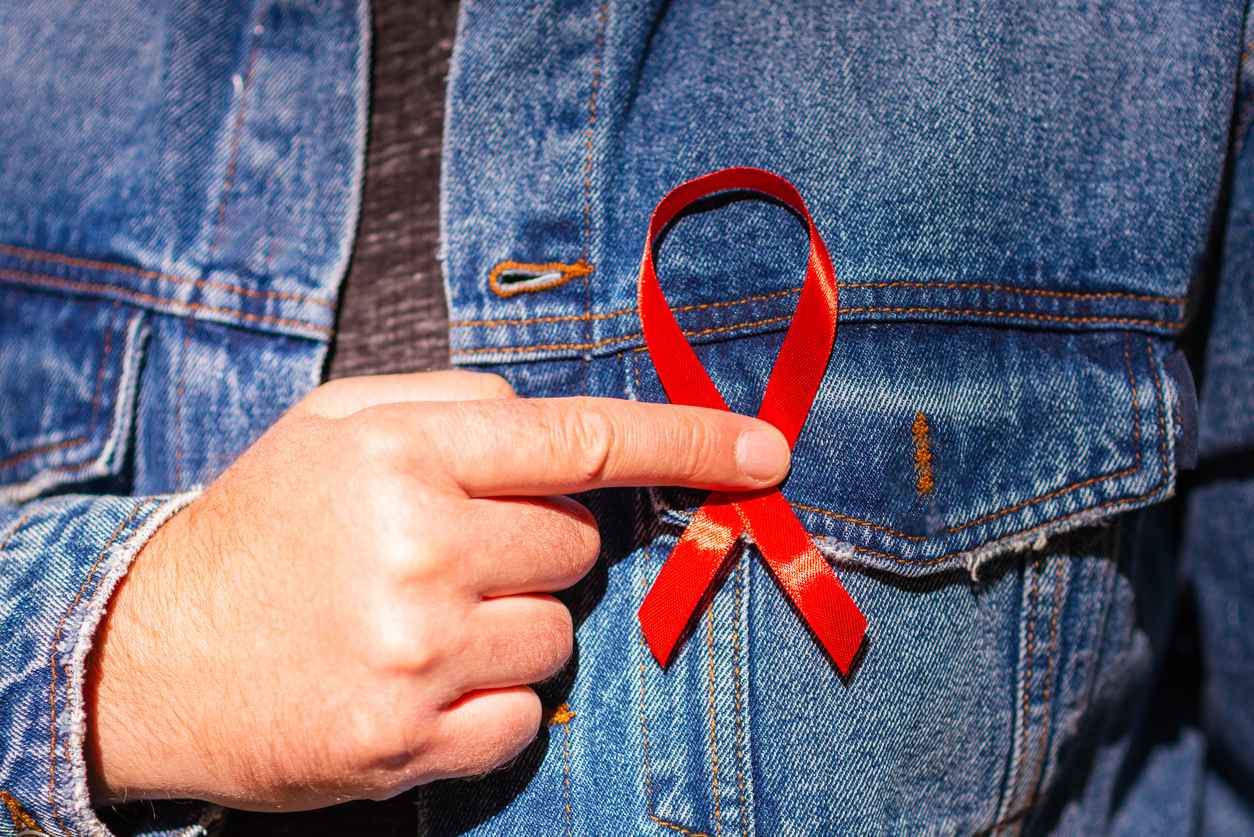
(41, 280)
(625, 338)
(1136, 434)
(104, 362)
(562, 714)
(922, 454)
(237, 125)
(549, 347)
(608, 315)
(1043, 292)
(1162, 428)
(859, 521)
(644, 722)
(72, 261)
(563, 318)
(1015, 315)
(21, 819)
(686, 832)
(52, 682)
(740, 731)
(1009, 819)
(709, 645)
(73, 468)
(570, 820)
(179, 391)
(21, 521)
(22, 456)
(1029, 665)
(565, 272)
(1042, 751)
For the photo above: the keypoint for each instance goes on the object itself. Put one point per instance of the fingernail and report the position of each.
(762, 455)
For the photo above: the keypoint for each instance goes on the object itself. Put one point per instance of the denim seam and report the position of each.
(93, 264)
(1016, 789)
(21, 277)
(741, 781)
(1131, 469)
(1042, 755)
(644, 728)
(179, 391)
(23, 455)
(711, 710)
(237, 127)
(594, 89)
(118, 430)
(566, 318)
(646, 769)
(567, 810)
(22, 819)
(17, 527)
(1173, 325)
(923, 286)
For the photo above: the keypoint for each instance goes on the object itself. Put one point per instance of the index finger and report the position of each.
(566, 445)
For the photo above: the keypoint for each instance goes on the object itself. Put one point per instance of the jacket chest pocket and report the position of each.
(955, 477)
(68, 371)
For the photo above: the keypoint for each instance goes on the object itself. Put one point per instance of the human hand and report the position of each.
(357, 605)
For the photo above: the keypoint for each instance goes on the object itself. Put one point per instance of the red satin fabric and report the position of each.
(695, 564)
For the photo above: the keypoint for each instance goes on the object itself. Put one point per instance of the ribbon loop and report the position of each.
(694, 566)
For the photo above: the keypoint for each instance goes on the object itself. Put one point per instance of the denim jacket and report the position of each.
(1032, 206)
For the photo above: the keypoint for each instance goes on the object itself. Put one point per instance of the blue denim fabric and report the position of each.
(178, 190)
(1022, 204)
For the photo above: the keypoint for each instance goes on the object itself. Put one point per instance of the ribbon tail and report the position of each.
(688, 576)
(806, 578)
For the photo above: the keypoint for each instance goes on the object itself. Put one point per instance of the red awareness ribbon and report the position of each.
(688, 575)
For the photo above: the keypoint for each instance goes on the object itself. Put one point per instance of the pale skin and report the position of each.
(359, 603)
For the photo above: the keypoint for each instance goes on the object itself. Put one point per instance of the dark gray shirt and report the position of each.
(392, 315)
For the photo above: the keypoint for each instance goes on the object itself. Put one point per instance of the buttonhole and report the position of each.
(510, 278)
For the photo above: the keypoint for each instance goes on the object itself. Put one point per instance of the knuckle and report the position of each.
(370, 739)
(497, 386)
(377, 436)
(324, 396)
(395, 644)
(588, 436)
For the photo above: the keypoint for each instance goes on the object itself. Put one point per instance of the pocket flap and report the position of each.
(68, 367)
(931, 447)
